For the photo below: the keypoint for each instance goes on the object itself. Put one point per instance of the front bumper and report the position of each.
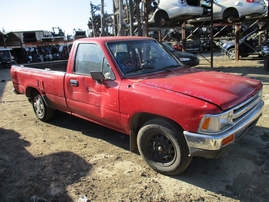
(210, 146)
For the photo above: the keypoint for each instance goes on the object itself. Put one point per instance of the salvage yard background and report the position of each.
(68, 158)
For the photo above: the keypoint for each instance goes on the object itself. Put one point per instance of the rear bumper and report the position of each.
(210, 146)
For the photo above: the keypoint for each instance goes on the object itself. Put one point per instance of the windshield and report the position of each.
(141, 57)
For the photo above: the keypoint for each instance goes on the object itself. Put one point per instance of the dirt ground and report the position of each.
(68, 158)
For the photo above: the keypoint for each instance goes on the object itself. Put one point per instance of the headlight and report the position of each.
(212, 123)
(184, 59)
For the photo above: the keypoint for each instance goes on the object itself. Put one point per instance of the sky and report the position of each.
(28, 15)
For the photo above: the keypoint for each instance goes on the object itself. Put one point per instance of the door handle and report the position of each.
(73, 82)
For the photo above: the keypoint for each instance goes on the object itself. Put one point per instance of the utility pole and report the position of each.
(4, 40)
(131, 21)
(120, 18)
(138, 17)
(93, 15)
(115, 21)
(146, 29)
(102, 18)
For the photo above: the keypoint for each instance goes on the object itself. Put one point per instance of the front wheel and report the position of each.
(162, 145)
(231, 53)
(42, 111)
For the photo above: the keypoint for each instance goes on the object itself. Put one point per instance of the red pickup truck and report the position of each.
(132, 85)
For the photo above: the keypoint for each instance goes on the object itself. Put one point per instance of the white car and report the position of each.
(232, 10)
(164, 12)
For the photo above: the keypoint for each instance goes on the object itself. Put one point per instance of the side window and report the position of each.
(88, 59)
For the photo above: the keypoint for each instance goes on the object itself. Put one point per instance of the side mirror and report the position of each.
(97, 76)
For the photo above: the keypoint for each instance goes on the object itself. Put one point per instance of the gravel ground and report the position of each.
(68, 158)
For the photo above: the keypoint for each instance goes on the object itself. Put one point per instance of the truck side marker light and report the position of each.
(227, 140)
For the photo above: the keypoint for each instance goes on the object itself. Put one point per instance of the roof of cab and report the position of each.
(114, 38)
(4, 49)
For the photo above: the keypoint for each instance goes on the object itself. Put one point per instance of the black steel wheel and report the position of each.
(42, 111)
(162, 145)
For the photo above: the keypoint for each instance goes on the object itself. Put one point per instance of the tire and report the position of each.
(231, 53)
(162, 145)
(231, 15)
(231, 19)
(42, 111)
(266, 62)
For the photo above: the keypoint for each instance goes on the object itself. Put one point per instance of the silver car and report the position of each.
(163, 12)
(232, 11)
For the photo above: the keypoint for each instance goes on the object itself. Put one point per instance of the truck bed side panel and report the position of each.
(49, 83)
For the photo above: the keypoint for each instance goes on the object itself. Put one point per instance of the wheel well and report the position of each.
(159, 14)
(230, 48)
(29, 91)
(230, 12)
(137, 122)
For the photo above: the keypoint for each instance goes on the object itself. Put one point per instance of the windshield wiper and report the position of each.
(168, 68)
(140, 69)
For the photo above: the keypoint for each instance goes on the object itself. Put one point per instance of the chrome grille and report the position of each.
(243, 110)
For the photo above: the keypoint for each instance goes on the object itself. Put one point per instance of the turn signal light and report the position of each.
(227, 140)
(206, 124)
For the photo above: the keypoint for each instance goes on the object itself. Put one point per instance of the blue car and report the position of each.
(248, 45)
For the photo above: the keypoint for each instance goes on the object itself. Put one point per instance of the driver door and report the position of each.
(88, 98)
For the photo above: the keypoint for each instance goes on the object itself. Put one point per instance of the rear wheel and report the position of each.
(42, 111)
(231, 15)
(161, 18)
(162, 145)
(231, 19)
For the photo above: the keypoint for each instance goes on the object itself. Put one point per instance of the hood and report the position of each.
(222, 89)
